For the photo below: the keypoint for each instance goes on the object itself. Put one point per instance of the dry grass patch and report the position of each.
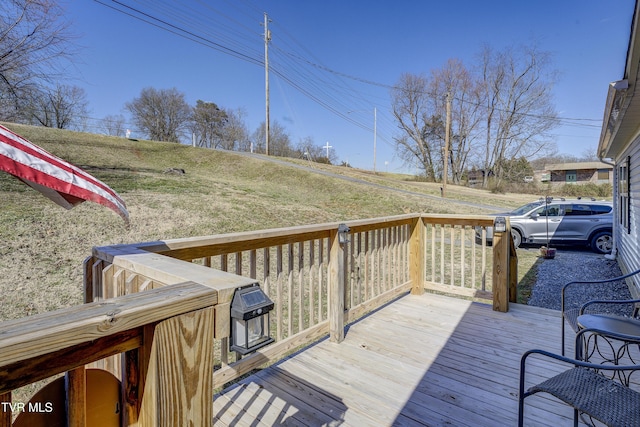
(43, 246)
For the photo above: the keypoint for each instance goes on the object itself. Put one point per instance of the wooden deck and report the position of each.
(421, 360)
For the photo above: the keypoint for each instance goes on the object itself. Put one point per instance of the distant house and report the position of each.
(475, 177)
(620, 142)
(579, 173)
(560, 173)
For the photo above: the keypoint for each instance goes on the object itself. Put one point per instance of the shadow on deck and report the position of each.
(421, 360)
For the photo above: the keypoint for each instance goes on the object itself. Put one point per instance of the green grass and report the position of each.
(528, 261)
(43, 245)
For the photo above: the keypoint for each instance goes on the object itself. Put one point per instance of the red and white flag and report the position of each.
(62, 182)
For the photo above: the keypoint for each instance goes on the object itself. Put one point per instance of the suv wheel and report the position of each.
(517, 237)
(602, 242)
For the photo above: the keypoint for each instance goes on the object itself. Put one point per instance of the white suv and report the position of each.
(561, 221)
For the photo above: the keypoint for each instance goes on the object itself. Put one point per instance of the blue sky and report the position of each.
(345, 55)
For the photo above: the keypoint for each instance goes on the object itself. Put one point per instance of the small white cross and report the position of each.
(327, 148)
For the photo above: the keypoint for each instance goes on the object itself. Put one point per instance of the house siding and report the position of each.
(627, 241)
(582, 176)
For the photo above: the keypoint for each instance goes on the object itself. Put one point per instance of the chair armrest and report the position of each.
(591, 282)
(576, 362)
(608, 302)
(583, 388)
(569, 361)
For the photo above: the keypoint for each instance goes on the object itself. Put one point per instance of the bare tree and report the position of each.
(455, 81)
(63, 107)
(35, 39)
(422, 137)
(589, 154)
(419, 105)
(235, 135)
(162, 114)
(114, 125)
(507, 104)
(517, 98)
(279, 140)
(308, 150)
(208, 122)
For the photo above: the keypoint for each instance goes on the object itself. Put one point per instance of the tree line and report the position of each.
(501, 112)
(500, 105)
(164, 115)
(37, 46)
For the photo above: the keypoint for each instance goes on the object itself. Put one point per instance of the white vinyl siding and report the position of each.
(626, 208)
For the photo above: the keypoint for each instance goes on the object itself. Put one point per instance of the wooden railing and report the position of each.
(318, 285)
(164, 336)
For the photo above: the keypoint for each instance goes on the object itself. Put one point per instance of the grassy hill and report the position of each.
(43, 245)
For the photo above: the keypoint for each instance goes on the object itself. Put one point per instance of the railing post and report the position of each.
(416, 256)
(135, 364)
(5, 415)
(336, 289)
(87, 278)
(178, 390)
(501, 245)
(76, 388)
(513, 272)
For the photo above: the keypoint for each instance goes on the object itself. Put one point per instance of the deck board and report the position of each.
(421, 360)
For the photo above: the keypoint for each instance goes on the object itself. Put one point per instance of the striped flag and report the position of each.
(65, 184)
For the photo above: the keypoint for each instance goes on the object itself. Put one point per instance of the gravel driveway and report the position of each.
(570, 265)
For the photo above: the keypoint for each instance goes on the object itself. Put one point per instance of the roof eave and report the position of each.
(614, 111)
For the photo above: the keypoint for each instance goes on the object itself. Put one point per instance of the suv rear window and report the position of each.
(600, 209)
(583, 209)
(576, 209)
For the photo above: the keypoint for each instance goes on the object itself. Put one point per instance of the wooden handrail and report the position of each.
(192, 298)
(375, 241)
(446, 219)
(89, 332)
(166, 335)
(148, 258)
(196, 247)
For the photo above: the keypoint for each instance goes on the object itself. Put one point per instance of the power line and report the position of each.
(300, 78)
(181, 32)
(565, 120)
(323, 85)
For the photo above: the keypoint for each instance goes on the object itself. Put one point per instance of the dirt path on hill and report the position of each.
(370, 184)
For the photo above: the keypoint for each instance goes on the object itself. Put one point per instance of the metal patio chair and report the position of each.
(595, 390)
(627, 308)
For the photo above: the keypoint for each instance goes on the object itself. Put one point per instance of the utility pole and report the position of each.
(447, 134)
(375, 134)
(267, 39)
